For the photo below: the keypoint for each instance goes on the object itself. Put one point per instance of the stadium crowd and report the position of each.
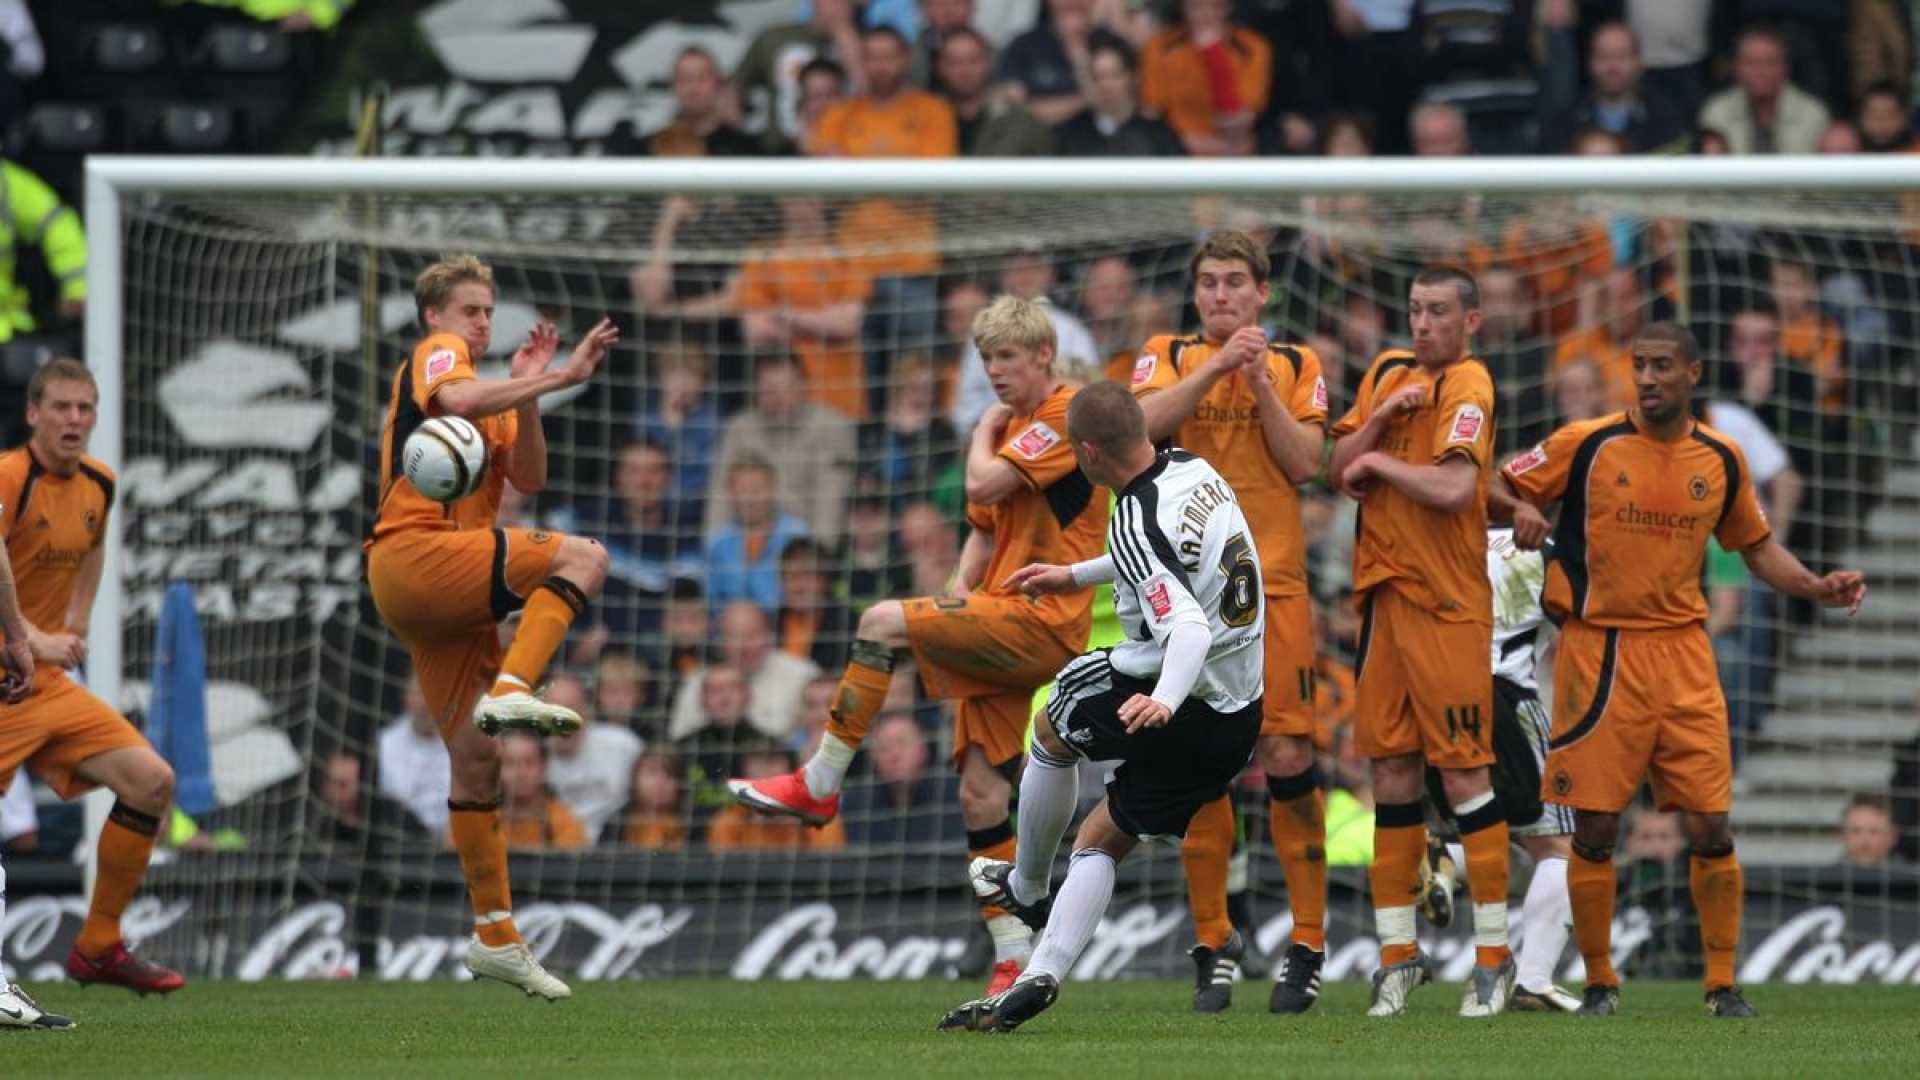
(791, 449)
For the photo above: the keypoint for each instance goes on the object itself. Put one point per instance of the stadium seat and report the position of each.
(188, 127)
(124, 61)
(246, 49)
(257, 69)
(57, 136)
(128, 48)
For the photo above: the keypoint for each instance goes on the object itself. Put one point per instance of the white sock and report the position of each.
(1076, 914)
(1011, 940)
(4, 973)
(1490, 925)
(1546, 919)
(827, 768)
(1458, 853)
(1048, 792)
(1394, 925)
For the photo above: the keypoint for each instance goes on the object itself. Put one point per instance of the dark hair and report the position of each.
(59, 369)
(1757, 305)
(963, 33)
(1101, 41)
(1106, 415)
(1761, 30)
(1882, 88)
(778, 359)
(1613, 24)
(899, 38)
(1361, 124)
(801, 547)
(686, 588)
(1868, 800)
(1232, 245)
(703, 53)
(1459, 278)
(1668, 330)
(821, 64)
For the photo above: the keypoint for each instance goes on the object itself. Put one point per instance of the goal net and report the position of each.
(797, 333)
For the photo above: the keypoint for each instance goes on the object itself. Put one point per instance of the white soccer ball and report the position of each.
(445, 458)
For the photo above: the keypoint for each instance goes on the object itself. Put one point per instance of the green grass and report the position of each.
(836, 1031)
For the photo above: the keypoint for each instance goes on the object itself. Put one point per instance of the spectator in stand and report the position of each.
(938, 19)
(1379, 62)
(1867, 835)
(737, 828)
(1350, 803)
(902, 803)
(1654, 836)
(1439, 129)
(816, 707)
(1513, 352)
(1027, 273)
(655, 817)
(415, 770)
(813, 624)
(355, 823)
(932, 547)
(591, 769)
(1807, 336)
(1049, 66)
(1579, 393)
(35, 215)
(988, 123)
(913, 447)
(699, 127)
(530, 816)
(1563, 253)
(1763, 113)
(1112, 124)
(895, 241)
(811, 448)
(1346, 135)
(720, 707)
(1841, 137)
(803, 294)
(1608, 344)
(1480, 57)
(687, 644)
(694, 298)
(1784, 395)
(624, 694)
(1882, 45)
(1885, 126)
(1620, 100)
(770, 76)
(1677, 37)
(650, 541)
(961, 298)
(870, 563)
(774, 679)
(823, 84)
(680, 414)
(743, 557)
(1208, 78)
(1107, 295)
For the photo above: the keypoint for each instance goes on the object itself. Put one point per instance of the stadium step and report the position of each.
(1815, 689)
(1888, 726)
(1778, 811)
(1796, 849)
(1806, 771)
(1886, 609)
(1903, 482)
(1894, 524)
(1839, 645)
(1890, 564)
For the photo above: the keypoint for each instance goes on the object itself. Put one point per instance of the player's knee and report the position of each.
(583, 562)
(884, 622)
(1463, 784)
(153, 785)
(1285, 755)
(984, 796)
(1709, 836)
(1050, 741)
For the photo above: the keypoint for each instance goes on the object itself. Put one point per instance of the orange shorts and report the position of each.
(1630, 705)
(443, 595)
(1424, 685)
(1288, 708)
(987, 654)
(61, 725)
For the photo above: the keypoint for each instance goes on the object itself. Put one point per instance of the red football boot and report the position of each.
(786, 794)
(121, 968)
(1004, 974)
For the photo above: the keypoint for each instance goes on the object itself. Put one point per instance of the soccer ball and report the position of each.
(445, 458)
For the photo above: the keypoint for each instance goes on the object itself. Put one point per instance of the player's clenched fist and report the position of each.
(1843, 588)
(17, 682)
(1247, 345)
(1040, 579)
(1404, 402)
(1530, 526)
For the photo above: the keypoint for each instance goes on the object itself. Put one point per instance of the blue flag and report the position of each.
(177, 717)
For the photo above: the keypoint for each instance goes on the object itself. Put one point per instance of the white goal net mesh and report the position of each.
(261, 332)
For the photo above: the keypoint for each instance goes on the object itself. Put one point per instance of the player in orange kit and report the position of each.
(985, 645)
(443, 576)
(1636, 693)
(54, 502)
(1255, 410)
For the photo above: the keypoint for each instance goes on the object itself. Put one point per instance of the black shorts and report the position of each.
(1166, 773)
(1520, 727)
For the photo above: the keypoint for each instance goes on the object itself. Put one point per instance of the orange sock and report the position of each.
(1484, 833)
(1717, 896)
(990, 843)
(1298, 815)
(863, 689)
(543, 626)
(475, 830)
(1399, 843)
(126, 843)
(1204, 853)
(1590, 886)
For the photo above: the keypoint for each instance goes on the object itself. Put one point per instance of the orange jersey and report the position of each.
(1436, 559)
(557, 829)
(903, 235)
(1614, 359)
(1059, 518)
(1225, 430)
(52, 523)
(1816, 343)
(791, 278)
(1174, 80)
(439, 361)
(1630, 547)
(1559, 266)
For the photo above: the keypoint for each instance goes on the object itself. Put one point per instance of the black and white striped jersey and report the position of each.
(1183, 554)
(1518, 619)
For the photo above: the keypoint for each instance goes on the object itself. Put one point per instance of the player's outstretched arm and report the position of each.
(1775, 565)
(475, 398)
(1042, 579)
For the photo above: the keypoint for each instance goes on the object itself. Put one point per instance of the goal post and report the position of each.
(234, 302)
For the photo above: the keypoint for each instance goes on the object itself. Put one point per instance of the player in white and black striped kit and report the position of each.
(1177, 703)
(1521, 728)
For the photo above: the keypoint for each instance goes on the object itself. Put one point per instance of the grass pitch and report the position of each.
(837, 1031)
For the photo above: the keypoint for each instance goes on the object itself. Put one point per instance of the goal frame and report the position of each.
(110, 178)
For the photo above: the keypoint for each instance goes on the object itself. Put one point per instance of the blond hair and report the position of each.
(435, 285)
(1009, 320)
